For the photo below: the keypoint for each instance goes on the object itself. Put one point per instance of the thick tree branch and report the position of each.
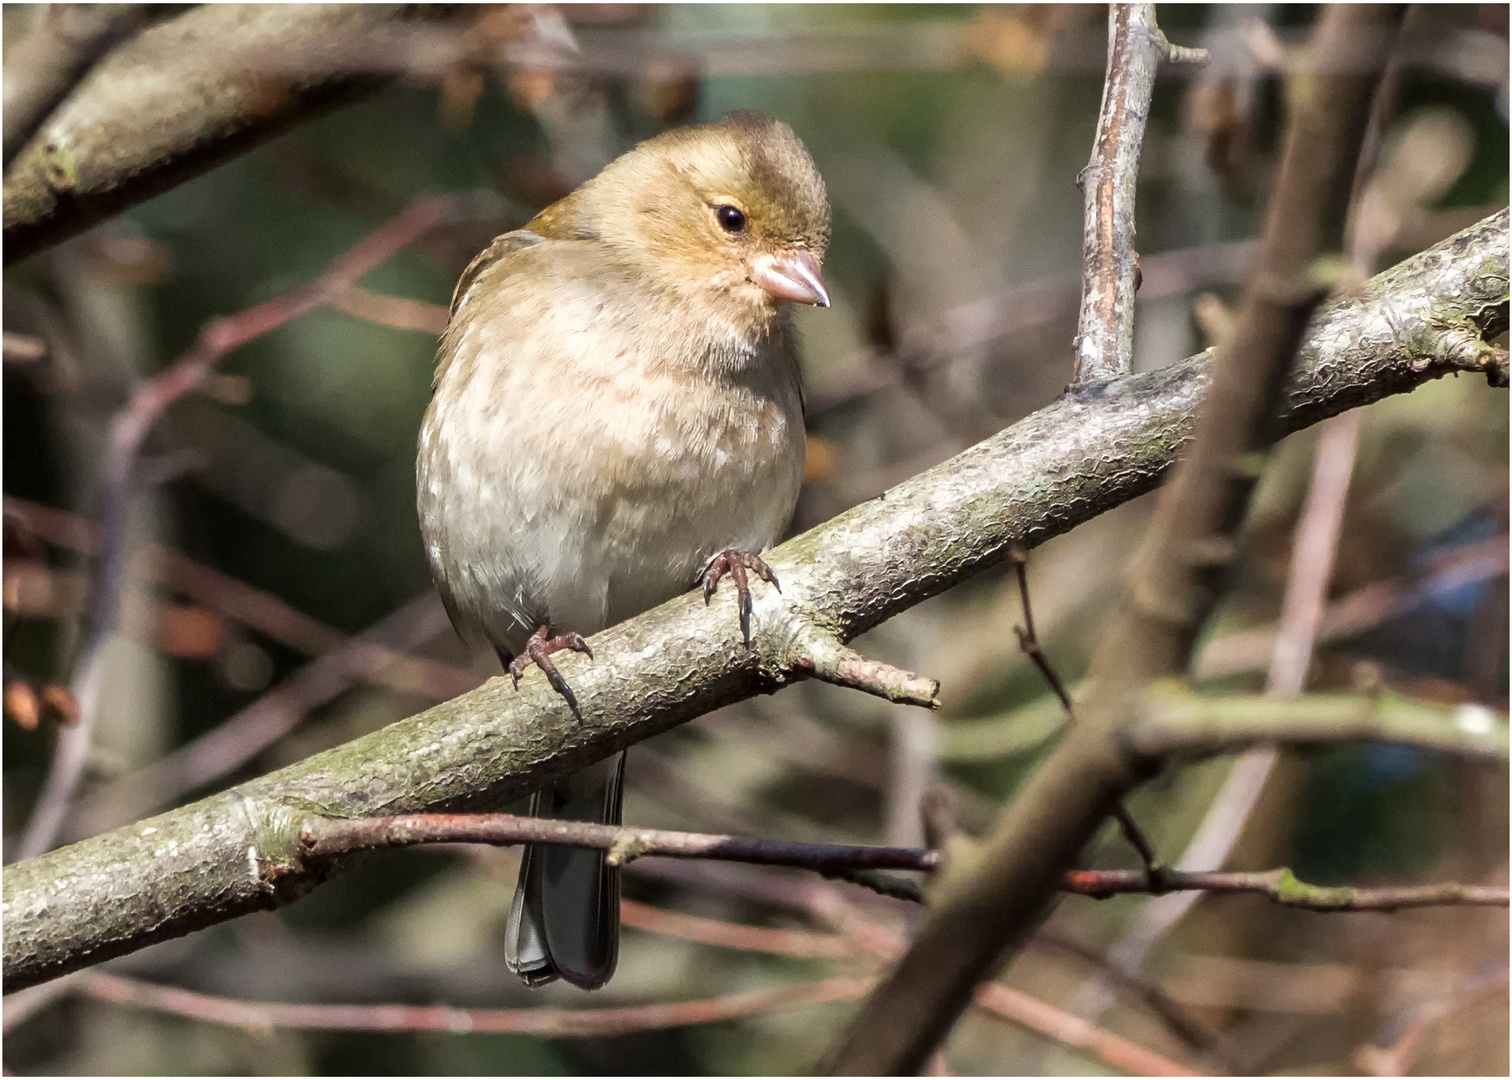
(1176, 579)
(238, 851)
(64, 43)
(1110, 267)
(178, 99)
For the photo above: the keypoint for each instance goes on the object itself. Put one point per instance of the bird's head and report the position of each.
(733, 214)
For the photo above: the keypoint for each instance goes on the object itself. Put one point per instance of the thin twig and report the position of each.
(398, 312)
(1282, 887)
(1192, 1031)
(1029, 643)
(251, 730)
(128, 433)
(1028, 639)
(728, 935)
(325, 837)
(550, 1023)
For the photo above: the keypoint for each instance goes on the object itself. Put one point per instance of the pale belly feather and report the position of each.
(581, 498)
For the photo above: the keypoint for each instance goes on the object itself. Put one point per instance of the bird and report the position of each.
(616, 418)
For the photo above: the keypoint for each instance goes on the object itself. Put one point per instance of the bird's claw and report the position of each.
(538, 651)
(736, 563)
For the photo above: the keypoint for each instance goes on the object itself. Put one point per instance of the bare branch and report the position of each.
(807, 943)
(128, 433)
(1176, 579)
(63, 44)
(176, 100)
(550, 1023)
(191, 868)
(1282, 887)
(377, 654)
(1177, 724)
(1104, 343)
(323, 838)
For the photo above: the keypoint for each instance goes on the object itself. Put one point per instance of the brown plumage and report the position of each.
(617, 404)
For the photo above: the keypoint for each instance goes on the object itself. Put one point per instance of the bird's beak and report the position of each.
(793, 277)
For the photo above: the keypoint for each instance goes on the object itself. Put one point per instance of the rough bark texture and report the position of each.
(176, 100)
(239, 851)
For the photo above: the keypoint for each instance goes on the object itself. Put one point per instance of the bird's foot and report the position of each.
(736, 563)
(538, 651)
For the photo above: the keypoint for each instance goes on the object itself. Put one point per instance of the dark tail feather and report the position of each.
(566, 914)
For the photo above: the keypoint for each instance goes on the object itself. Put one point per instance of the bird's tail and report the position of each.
(566, 914)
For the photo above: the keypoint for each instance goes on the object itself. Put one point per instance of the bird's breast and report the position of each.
(589, 488)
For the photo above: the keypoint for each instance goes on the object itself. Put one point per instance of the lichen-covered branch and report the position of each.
(178, 99)
(240, 851)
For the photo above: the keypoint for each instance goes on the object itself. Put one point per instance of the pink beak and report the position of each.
(792, 277)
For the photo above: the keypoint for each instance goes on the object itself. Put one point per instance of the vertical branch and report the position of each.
(1104, 343)
(1176, 581)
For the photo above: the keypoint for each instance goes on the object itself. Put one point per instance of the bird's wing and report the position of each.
(502, 246)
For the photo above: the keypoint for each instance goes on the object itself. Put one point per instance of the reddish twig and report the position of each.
(551, 1023)
(730, 935)
(128, 434)
(275, 714)
(1038, 1016)
(1072, 1030)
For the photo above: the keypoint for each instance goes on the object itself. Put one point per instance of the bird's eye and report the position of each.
(731, 220)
